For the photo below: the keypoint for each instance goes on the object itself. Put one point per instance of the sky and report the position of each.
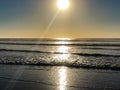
(83, 19)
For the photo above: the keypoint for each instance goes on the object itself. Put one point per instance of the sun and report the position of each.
(63, 4)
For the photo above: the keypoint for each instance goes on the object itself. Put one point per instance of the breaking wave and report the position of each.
(79, 60)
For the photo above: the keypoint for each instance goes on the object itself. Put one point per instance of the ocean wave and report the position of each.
(80, 54)
(55, 44)
(115, 49)
(76, 61)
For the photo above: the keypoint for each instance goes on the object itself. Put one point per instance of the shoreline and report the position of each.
(69, 66)
(14, 77)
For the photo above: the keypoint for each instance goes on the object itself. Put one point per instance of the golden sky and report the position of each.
(83, 19)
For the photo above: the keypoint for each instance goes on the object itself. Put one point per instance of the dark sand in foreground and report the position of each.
(18, 77)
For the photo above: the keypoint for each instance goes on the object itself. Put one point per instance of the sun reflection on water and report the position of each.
(62, 42)
(62, 78)
(62, 49)
(63, 56)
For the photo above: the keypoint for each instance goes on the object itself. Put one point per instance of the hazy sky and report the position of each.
(83, 19)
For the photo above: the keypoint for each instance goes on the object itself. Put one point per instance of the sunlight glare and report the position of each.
(63, 56)
(63, 49)
(62, 42)
(63, 4)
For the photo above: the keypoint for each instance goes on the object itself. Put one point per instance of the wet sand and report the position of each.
(20, 77)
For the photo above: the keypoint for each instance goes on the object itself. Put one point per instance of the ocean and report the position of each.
(86, 53)
(59, 64)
